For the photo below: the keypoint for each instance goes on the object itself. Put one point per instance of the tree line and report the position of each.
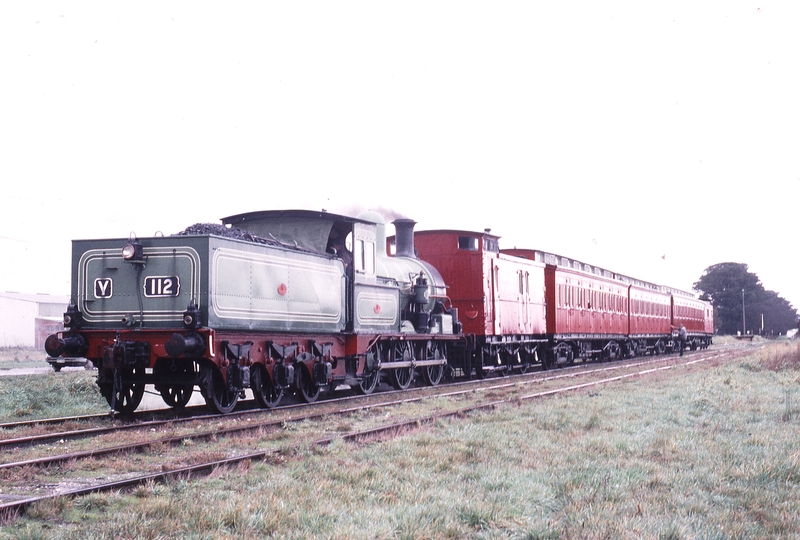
(742, 304)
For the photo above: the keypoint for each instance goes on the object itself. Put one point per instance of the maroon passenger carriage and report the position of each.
(695, 315)
(601, 315)
(650, 318)
(500, 299)
(523, 306)
(587, 309)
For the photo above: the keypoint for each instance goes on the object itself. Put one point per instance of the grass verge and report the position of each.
(693, 453)
(22, 357)
(49, 394)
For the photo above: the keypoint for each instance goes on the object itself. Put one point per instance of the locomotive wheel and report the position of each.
(126, 396)
(402, 377)
(308, 389)
(177, 396)
(433, 374)
(369, 381)
(264, 390)
(220, 399)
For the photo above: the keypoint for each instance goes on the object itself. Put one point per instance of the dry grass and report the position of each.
(784, 355)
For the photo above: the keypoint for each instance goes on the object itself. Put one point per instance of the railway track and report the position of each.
(75, 462)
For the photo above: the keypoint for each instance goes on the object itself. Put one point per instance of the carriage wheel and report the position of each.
(467, 368)
(527, 360)
(308, 388)
(479, 357)
(612, 351)
(565, 352)
(220, 399)
(264, 389)
(548, 362)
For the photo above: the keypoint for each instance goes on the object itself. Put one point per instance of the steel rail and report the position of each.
(270, 424)
(571, 371)
(16, 506)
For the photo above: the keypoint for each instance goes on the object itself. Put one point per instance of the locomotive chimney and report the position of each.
(404, 237)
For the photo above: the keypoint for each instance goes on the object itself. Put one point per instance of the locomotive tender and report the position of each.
(303, 301)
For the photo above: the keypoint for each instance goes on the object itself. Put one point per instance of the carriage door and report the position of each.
(524, 299)
(494, 287)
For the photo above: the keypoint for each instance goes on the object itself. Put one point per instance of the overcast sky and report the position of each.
(654, 139)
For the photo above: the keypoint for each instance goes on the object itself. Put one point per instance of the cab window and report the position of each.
(365, 257)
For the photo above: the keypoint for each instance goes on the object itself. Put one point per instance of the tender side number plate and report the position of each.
(161, 286)
(103, 288)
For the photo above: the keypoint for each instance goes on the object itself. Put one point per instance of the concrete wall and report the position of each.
(27, 319)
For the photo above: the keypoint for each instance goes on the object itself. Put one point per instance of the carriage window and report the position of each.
(467, 243)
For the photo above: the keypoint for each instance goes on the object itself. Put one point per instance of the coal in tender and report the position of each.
(203, 229)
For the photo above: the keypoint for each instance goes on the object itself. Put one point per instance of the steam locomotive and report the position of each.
(304, 302)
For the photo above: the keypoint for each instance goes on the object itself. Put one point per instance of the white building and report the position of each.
(27, 319)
